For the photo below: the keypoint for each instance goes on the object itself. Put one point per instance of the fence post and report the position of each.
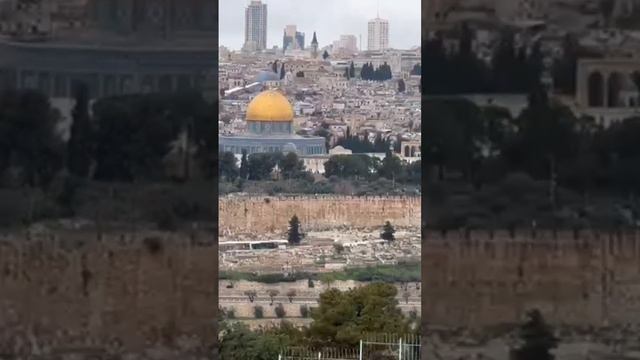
(360, 354)
(400, 350)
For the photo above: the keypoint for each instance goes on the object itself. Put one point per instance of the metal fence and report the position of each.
(371, 347)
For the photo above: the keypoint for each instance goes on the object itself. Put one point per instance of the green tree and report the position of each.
(391, 167)
(28, 138)
(244, 166)
(134, 134)
(261, 165)
(237, 341)
(228, 166)
(272, 294)
(294, 235)
(388, 232)
(291, 293)
(348, 166)
(537, 338)
(292, 167)
(79, 149)
(342, 317)
(352, 70)
(325, 55)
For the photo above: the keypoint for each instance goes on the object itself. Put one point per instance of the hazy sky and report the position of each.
(329, 18)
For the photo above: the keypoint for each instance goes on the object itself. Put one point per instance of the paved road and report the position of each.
(413, 301)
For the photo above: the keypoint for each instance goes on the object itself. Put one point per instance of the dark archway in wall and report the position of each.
(614, 86)
(595, 88)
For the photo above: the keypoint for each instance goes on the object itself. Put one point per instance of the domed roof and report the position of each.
(265, 76)
(270, 105)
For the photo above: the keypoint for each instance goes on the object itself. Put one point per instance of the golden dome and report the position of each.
(270, 105)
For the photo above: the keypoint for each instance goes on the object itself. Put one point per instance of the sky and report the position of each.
(329, 18)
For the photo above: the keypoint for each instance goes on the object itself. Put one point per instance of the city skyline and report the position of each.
(329, 19)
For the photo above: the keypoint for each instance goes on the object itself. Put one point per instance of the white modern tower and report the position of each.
(255, 33)
(378, 34)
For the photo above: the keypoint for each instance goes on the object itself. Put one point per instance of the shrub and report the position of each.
(230, 313)
(304, 311)
(280, 312)
(258, 312)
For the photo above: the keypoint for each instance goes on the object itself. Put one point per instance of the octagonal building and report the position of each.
(270, 129)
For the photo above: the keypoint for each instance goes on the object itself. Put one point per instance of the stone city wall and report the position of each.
(72, 290)
(272, 214)
(478, 279)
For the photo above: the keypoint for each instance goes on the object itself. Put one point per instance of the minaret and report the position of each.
(314, 46)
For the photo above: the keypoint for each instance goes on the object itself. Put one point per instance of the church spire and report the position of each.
(315, 40)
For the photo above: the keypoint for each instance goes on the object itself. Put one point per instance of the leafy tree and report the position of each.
(261, 165)
(342, 317)
(304, 311)
(134, 134)
(537, 338)
(348, 166)
(391, 166)
(292, 167)
(272, 294)
(294, 234)
(325, 55)
(251, 294)
(28, 138)
(228, 166)
(239, 342)
(387, 232)
(291, 294)
(79, 149)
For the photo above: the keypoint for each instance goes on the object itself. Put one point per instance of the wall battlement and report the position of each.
(272, 214)
(133, 292)
(480, 278)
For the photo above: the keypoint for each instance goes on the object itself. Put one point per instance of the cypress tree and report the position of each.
(387, 232)
(79, 145)
(244, 166)
(352, 70)
(294, 234)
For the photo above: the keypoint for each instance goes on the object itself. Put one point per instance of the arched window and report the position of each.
(614, 86)
(596, 90)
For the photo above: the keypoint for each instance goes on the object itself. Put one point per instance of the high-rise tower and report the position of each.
(255, 33)
(378, 32)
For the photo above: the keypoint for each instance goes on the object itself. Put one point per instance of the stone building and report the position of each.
(127, 46)
(270, 129)
(132, 46)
